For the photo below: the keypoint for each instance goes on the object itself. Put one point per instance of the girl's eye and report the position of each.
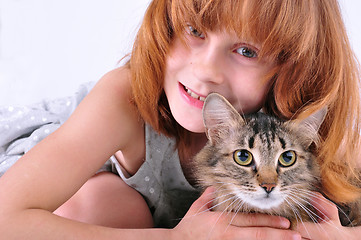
(243, 157)
(287, 159)
(247, 52)
(194, 32)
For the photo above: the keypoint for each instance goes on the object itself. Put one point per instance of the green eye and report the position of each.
(243, 157)
(287, 159)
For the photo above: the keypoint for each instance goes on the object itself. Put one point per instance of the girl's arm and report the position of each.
(51, 172)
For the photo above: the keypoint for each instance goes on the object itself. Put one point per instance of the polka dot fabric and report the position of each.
(21, 128)
(160, 180)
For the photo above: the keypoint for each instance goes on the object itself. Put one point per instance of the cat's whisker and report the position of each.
(296, 213)
(315, 195)
(313, 216)
(300, 200)
(307, 210)
(323, 220)
(230, 208)
(224, 201)
(215, 206)
(209, 209)
(217, 191)
(240, 205)
(225, 210)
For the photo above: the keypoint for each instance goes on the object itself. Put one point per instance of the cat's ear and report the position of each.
(219, 117)
(310, 125)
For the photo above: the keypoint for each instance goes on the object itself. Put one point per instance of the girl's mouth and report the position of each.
(191, 97)
(194, 95)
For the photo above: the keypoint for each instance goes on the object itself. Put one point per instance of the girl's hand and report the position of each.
(202, 224)
(329, 226)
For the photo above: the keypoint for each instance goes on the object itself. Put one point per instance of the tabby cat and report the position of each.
(259, 163)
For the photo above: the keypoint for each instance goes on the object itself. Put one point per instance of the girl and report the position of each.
(288, 57)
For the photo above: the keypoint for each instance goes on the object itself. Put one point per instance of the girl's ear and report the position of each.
(219, 117)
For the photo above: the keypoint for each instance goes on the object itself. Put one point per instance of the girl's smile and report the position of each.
(191, 97)
(213, 62)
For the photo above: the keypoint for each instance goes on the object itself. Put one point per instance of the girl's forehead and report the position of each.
(281, 27)
(243, 19)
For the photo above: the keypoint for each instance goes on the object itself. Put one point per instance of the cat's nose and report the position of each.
(268, 187)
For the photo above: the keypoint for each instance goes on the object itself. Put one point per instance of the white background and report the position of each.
(49, 47)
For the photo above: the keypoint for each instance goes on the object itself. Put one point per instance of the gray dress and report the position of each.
(160, 180)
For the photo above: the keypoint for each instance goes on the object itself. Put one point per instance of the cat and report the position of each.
(258, 163)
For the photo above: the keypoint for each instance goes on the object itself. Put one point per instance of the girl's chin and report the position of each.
(193, 127)
(189, 117)
(192, 122)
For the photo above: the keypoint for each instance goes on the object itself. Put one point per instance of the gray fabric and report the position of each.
(21, 128)
(160, 180)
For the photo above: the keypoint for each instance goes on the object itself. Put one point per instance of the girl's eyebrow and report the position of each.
(244, 43)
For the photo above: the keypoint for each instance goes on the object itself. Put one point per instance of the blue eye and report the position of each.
(243, 157)
(247, 52)
(194, 32)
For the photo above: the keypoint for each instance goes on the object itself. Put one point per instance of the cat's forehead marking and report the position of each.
(251, 142)
(266, 139)
(283, 142)
(266, 129)
(260, 123)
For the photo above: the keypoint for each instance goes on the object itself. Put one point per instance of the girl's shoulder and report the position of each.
(115, 89)
(107, 121)
(113, 99)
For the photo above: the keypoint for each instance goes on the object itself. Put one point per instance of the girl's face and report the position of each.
(214, 62)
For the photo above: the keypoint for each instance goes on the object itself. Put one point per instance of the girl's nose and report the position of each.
(208, 66)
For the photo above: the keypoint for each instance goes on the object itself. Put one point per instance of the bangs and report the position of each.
(283, 29)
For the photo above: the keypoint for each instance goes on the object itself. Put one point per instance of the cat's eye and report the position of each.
(243, 157)
(287, 158)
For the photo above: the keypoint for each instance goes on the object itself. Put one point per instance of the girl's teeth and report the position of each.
(193, 95)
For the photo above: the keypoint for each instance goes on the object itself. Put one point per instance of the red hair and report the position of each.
(315, 68)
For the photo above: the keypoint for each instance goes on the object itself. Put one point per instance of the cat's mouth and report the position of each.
(262, 202)
(266, 203)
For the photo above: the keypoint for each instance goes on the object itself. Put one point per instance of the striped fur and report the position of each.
(265, 185)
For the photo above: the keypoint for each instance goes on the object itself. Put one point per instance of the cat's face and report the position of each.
(258, 163)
